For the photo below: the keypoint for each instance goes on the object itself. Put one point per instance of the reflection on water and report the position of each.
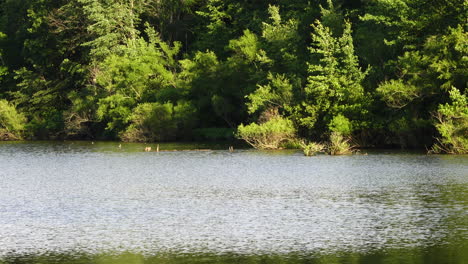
(246, 206)
(436, 255)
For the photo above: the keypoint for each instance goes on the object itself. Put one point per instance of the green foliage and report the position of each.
(407, 22)
(144, 68)
(150, 122)
(215, 31)
(115, 111)
(426, 76)
(185, 116)
(33, 89)
(3, 68)
(219, 21)
(282, 42)
(268, 135)
(142, 72)
(341, 124)
(312, 148)
(112, 25)
(12, 123)
(147, 70)
(398, 94)
(335, 82)
(246, 46)
(431, 71)
(293, 143)
(339, 144)
(332, 17)
(47, 124)
(410, 131)
(276, 93)
(220, 87)
(170, 18)
(214, 133)
(452, 124)
(79, 118)
(158, 122)
(200, 82)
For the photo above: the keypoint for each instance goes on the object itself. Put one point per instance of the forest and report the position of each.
(281, 73)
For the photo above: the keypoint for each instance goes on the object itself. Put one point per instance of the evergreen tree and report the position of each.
(334, 87)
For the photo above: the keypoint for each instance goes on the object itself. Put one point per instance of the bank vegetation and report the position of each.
(273, 73)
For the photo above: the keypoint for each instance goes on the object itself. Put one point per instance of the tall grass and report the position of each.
(312, 148)
(339, 144)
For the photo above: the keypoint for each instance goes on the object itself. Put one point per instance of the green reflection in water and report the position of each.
(457, 254)
(115, 146)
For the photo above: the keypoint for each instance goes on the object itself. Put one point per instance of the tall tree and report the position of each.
(423, 82)
(334, 88)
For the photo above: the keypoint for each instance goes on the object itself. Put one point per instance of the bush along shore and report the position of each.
(324, 76)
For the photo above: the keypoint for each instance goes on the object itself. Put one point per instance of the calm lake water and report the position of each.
(77, 202)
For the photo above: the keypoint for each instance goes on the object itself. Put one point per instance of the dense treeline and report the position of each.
(384, 73)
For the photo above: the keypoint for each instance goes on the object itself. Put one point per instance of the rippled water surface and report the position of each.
(98, 198)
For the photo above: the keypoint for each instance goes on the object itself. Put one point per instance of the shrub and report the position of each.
(47, 124)
(150, 122)
(339, 145)
(312, 148)
(452, 124)
(268, 135)
(159, 122)
(293, 143)
(115, 110)
(12, 123)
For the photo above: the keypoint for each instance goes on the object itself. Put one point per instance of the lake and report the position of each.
(84, 202)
